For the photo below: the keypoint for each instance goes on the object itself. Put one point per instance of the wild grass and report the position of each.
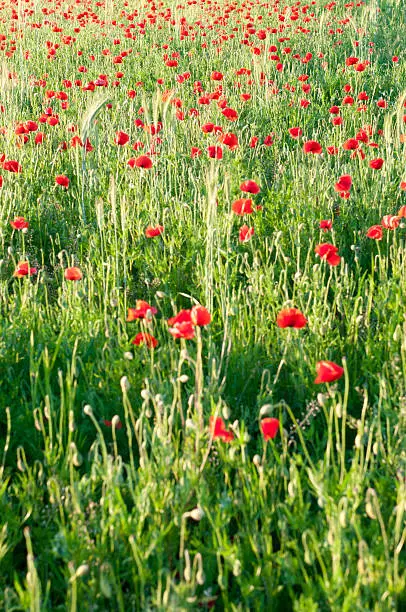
(151, 512)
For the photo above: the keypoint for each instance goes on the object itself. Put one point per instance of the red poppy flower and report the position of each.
(12, 166)
(291, 317)
(183, 316)
(145, 338)
(269, 428)
(375, 232)
(183, 329)
(245, 233)
(24, 270)
(344, 183)
(230, 114)
(328, 371)
(376, 164)
(243, 206)
(328, 252)
(216, 76)
(199, 315)
(32, 126)
(348, 100)
(295, 132)
(332, 150)
(215, 152)
(312, 146)
(195, 152)
(390, 222)
(326, 225)
(250, 186)
(62, 180)
(141, 311)
(351, 144)
(151, 232)
(143, 161)
(230, 140)
(121, 138)
(218, 430)
(73, 274)
(208, 128)
(402, 211)
(19, 223)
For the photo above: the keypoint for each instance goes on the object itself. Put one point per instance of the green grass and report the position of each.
(157, 514)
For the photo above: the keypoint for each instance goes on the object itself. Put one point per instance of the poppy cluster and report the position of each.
(184, 323)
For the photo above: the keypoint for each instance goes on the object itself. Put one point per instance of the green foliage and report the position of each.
(113, 493)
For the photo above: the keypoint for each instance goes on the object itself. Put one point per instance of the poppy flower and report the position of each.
(348, 101)
(73, 274)
(142, 310)
(295, 132)
(332, 150)
(351, 144)
(121, 138)
(199, 315)
(24, 270)
(12, 166)
(230, 114)
(243, 206)
(375, 232)
(402, 211)
(250, 186)
(218, 430)
(390, 222)
(291, 317)
(19, 223)
(183, 316)
(215, 152)
(376, 164)
(62, 180)
(328, 371)
(151, 232)
(195, 152)
(184, 329)
(326, 225)
(145, 338)
(208, 128)
(344, 183)
(312, 146)
(230, 140)
(269, 428)
(143, 161)
(245, 233)
(328, 252)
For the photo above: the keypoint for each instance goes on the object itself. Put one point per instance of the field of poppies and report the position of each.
(202, 305)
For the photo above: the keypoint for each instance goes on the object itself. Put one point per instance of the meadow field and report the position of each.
(202, 305)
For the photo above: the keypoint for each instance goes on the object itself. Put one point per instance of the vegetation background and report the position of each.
(115, 493)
